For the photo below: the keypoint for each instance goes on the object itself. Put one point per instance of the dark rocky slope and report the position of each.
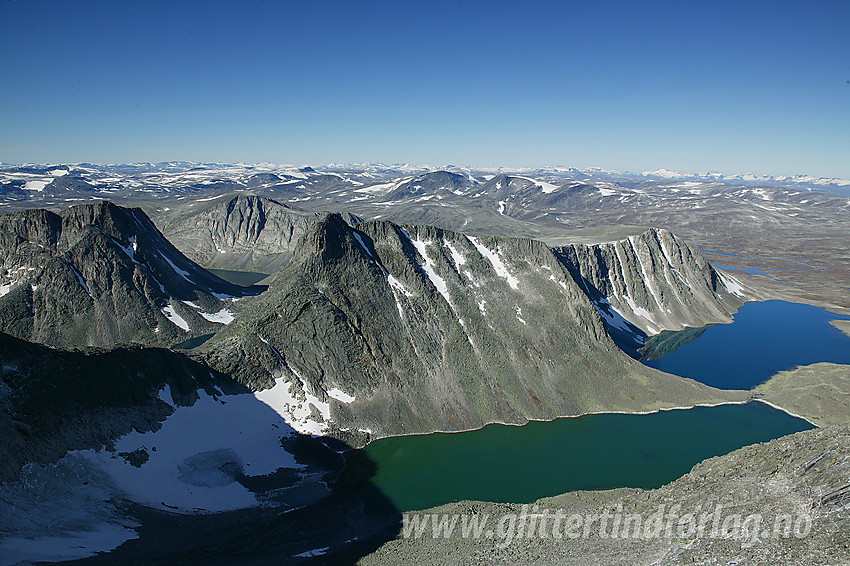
(53, 401)
(99, 274)
(392, 330)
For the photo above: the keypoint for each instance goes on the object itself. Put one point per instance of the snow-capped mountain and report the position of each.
(806, 182)
(55, 184)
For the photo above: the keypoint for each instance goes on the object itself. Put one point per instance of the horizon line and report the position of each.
(663, 172)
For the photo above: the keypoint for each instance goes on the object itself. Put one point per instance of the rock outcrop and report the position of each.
(246, 233)
(99, 275)
(652, 282)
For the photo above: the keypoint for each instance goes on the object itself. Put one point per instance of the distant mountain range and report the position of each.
(38, 177)
(840, 186)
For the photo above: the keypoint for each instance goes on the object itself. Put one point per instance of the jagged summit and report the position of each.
(101, 274)
(328, 238)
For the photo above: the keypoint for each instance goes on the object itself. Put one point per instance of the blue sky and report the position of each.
(722, 86)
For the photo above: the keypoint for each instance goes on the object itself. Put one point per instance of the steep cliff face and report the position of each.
(391, 329)
(99, 274)
(652, 282)
(246, 233)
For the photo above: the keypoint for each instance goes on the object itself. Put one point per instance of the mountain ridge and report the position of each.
(425, 329)
(99, 274)
(655, 281)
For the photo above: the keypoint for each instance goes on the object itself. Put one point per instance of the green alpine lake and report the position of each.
(520, 464)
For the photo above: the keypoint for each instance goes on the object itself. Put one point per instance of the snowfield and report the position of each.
(187, 454)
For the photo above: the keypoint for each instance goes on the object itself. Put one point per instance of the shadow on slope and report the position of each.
(147, 451)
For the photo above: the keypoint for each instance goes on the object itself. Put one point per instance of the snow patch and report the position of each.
(612, 316)
(646, 279)
(733, 286)
(172, 315)
(208, 199)
(223, 296)
(383, 187)
(497, 263)
(458, 257)
(14, 276)
(519, 316)
(297, 412)
(81, 280)
(544, 186)
(440, 283)
(70, 546)
(340, 395)
(37, 185)
(223, 316)
(561, 283)
(639, 311)
(314, 552)
(396, 284)
(180, 272)
(362, 243)
(187, 471)
(129, 250)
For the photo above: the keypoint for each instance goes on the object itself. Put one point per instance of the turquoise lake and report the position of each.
(523, 463)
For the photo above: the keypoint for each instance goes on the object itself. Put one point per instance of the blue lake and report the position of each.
(764, 339)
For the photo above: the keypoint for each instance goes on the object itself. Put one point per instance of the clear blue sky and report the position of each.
(694, 86)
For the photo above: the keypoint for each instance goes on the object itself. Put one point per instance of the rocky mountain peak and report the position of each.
(100, 274)
(329, 237)
(239, 232)
(652, 282)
